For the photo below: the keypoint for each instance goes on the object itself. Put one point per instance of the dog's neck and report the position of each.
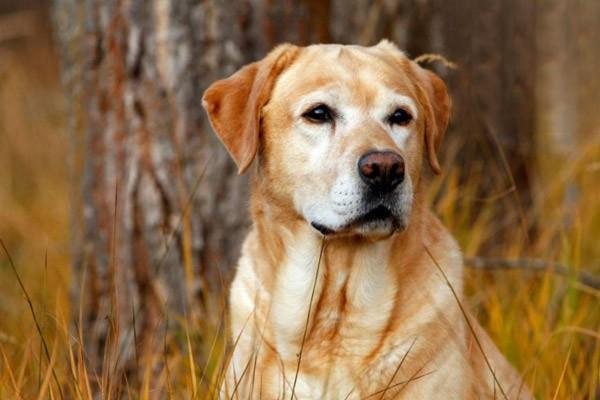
(283, 235)
(347, 281)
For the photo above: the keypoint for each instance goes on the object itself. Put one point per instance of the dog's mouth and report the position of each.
(380, 217)
(379, 213)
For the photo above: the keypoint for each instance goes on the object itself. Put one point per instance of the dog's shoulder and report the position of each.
(437, 241)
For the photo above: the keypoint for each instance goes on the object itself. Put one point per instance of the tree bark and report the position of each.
(493, 43)
(158, 209)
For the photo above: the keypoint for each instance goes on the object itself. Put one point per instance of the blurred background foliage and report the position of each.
(521, 171)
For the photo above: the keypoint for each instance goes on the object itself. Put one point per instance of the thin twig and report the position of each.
(238, 382)
(413, 378)
(17, 25)
(206, 367)
(158, 267)
(431, 57)
(513, 183)
(562, 374)
(533, 264)
(135, 338)
(228, 360)
(388, 386)
(166, 359)
(44, 312)
(312, 295)
(464, 313)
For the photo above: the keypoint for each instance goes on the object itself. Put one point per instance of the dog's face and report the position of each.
(342, 132)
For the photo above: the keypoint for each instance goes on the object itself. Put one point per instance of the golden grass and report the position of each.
(547, 325)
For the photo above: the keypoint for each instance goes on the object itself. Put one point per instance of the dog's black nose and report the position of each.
(381, 170)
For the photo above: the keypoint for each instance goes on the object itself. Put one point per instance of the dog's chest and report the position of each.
(348, 378)
(334, 311)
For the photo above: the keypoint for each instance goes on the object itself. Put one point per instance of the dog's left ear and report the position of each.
(234, 104)
(437, 108)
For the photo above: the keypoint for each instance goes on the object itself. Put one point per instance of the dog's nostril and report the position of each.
(370, 169)
(398, 170)
(382, 170)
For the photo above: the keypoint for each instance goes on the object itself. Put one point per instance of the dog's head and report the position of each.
(341, 132)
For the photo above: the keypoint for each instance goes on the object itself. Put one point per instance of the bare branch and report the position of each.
(17, 25)
(533, 264)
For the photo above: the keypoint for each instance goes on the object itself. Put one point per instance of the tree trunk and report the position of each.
(493, 43)
(158, 209)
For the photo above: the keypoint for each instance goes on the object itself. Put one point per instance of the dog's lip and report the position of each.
(378, 213)
(322, 228)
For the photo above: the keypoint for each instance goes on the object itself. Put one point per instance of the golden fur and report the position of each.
(363, 312)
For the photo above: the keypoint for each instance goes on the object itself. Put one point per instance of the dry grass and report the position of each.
(547, 325)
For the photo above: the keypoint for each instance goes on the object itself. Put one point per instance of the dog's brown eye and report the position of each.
(319, 114)
(400, 117)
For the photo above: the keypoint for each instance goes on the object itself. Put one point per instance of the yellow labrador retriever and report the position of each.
(343, 287)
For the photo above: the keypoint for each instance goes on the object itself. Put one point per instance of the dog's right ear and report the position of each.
(234, 104)
(438, 110)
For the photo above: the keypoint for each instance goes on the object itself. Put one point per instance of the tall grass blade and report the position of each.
(33, 314)
(464, 313)
(312, 295)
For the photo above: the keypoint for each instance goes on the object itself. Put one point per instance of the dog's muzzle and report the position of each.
(382, 172)
(380, 209)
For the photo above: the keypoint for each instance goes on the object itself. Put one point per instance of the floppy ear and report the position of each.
(234, 104)
(437, 108)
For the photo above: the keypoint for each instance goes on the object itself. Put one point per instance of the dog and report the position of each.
(348, 287)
